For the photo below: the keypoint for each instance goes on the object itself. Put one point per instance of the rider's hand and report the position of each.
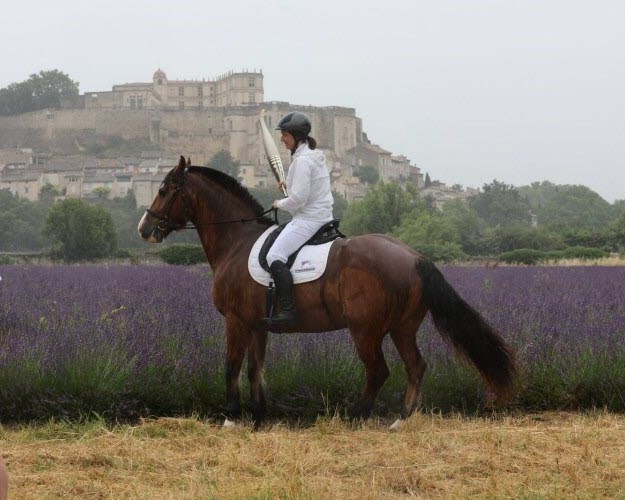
(275, 204)
(281, 185)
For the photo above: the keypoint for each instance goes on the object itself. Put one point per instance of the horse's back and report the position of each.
(376, 279)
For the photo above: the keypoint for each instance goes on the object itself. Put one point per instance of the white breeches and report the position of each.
(294, 235)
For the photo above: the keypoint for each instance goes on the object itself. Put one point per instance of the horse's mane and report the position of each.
(234, 187)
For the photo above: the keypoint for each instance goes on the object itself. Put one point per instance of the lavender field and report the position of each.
(129, 341)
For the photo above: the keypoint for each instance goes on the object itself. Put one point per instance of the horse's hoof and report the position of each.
(229, 423)
(397, 425)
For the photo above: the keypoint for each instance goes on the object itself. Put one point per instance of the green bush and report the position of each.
(122, 253)
(445, 252)
(183, 255)
(527, 256)
(584, 253)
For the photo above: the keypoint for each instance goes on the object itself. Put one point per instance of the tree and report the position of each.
(428, 182)
(380, 210)
(501, 204)
(570, 206)
(80, 231)
(368, 174)
(40, 91)
(224, 162)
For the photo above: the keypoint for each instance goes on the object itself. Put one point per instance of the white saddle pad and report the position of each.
(309, 264)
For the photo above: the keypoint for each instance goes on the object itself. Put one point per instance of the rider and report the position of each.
(309, 201)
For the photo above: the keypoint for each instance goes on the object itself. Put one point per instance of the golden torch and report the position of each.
(271, 150)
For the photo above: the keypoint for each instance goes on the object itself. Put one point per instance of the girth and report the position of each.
(327, 232)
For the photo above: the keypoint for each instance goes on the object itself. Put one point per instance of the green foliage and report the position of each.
(527, 256)
(422, 227)
(470, 229)
(340, 205)
(21, 222)
(583, 253)
(501, 204)
(40, 91)
(427, 182)
(80, 231)
(560, 207)
(380, 210)
(183, 255)
(224, 162)
(514, 237)
(447, 252)
(531, 256)
(368, 174)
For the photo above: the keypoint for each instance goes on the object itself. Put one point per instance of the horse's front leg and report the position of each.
(237, 342)
(255, 368)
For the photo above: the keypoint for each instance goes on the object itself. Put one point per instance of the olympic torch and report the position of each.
(271, 150)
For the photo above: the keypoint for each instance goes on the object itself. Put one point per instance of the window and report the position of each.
(200, 104)
(251, 82)
(132, 101)
(200, 91)
(252, 97)
(181, 105)
(181, 91)
(210, 130)
(139, 102)
(160, 81)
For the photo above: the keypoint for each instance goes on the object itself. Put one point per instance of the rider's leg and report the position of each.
(292, 237)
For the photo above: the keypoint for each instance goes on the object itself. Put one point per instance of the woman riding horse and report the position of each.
(309, 201)
(373, 285)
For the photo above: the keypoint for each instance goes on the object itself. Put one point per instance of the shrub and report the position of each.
(122, 253)
(183, 255)
(584, 253)
(446, 252)
(527, 256)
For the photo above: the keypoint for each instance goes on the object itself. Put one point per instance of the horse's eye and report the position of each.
(162, 191)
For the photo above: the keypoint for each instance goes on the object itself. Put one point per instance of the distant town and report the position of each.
(57, 149)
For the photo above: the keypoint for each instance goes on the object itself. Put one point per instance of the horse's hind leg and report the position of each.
(406, 343)
(255, 366)
(369, 347)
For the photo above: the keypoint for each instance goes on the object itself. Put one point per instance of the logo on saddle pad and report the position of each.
(308, 264)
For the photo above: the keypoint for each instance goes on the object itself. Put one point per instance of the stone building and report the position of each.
(194, 118)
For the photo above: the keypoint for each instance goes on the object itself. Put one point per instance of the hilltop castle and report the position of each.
(196, 118)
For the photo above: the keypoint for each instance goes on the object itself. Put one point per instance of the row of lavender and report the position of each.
(126, 341)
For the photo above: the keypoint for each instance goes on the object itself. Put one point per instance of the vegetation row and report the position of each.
(130, 341)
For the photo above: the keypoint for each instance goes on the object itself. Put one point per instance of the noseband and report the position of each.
(165, 224)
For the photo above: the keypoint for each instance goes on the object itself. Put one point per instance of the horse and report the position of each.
(373, 285)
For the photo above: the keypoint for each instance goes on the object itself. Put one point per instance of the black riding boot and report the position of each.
(284, 287)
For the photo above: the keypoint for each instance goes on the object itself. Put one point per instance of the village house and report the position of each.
(196, 118)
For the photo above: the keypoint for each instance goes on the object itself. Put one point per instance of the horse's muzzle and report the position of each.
(149, 229)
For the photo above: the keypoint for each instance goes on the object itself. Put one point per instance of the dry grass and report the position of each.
(540, 456)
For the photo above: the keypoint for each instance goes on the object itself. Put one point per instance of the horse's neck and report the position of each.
(212, 208)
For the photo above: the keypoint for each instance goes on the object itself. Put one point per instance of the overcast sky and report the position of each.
(469, 90)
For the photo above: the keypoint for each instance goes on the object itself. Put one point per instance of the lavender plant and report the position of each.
(127, 341)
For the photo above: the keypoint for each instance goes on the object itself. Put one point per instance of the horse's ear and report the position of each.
(188, 161)
(180, 167)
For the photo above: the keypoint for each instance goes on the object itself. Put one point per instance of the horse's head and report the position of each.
(168, 211)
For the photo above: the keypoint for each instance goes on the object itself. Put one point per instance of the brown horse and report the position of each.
(373, 285)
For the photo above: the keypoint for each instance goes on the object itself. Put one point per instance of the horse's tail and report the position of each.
(469, 333)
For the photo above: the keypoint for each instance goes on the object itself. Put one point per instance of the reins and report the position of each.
(233, 221)
(165, 224)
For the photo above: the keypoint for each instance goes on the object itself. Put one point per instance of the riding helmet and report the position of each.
(295, 122)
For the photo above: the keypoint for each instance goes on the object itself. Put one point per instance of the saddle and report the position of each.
(328, 232)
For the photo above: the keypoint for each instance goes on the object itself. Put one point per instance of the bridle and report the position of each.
(165, 224)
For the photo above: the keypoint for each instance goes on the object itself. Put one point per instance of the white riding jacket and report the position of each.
(308, 186)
